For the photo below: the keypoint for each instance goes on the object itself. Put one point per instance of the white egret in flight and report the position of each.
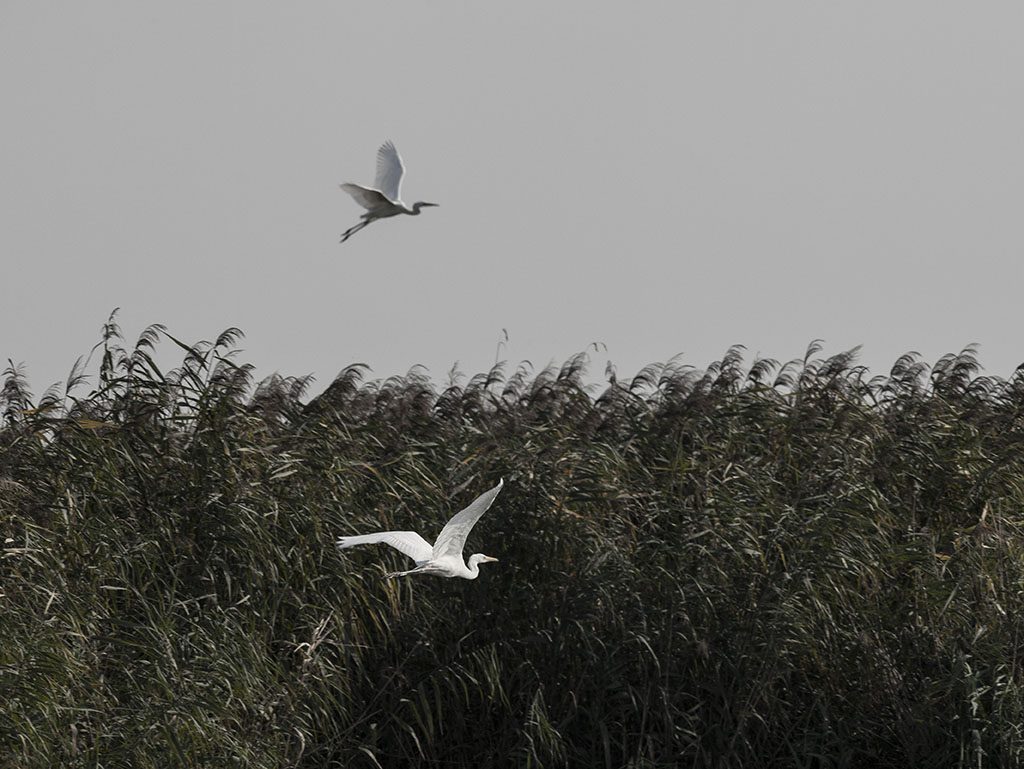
(383, 199)
(444, 558)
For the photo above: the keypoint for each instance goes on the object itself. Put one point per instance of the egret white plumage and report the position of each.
(444, 557)
(384, 198)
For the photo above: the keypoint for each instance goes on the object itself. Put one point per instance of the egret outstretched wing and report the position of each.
(452, 538)
(408, 542)
(389, 171)
(364, 196)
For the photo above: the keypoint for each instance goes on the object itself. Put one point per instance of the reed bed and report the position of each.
(751, 565)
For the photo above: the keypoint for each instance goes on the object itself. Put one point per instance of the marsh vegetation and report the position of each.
(752, 565)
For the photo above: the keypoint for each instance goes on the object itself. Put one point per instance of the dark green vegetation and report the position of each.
(752, 566)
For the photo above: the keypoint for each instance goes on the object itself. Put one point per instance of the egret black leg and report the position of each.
(417, 570)
(352, 231)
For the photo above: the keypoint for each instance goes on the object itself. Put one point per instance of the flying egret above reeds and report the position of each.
(444, 557)
(384, 198)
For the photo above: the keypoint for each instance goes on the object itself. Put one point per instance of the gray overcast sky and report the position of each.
(664, 178)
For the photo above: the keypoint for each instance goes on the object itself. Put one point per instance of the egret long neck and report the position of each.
(473, 565)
